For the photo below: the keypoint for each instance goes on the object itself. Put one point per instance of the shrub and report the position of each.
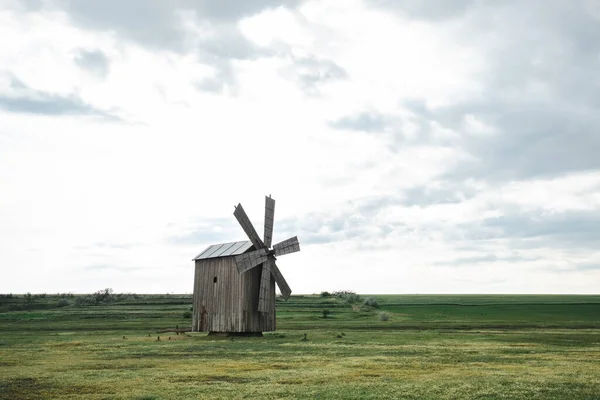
(326, 313)
(84, 300)
(325, 294)
(347, 295)
(384, 315)
(371, 302)
(187, 314)
(102, 296)
(63, 302)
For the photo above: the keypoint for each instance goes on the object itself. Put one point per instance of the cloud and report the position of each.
(588, 267)
(443, 192)
(220, 47)
(434, 10)
(449, 148)
(363, 122)
(94, 61)
(486, 258)
(207, 27)
(567, 229)
(535, 115)
(108, 246)
(23, 99)
(207, 232)
(310, 72)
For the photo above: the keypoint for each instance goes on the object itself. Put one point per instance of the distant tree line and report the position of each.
(28, 301)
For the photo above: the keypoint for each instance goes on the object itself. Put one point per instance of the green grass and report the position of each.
(433, 347)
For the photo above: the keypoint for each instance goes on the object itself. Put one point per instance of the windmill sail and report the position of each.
(288, 246)
(244, 221)
(269, 217)
(264, 294)
(263, 256)
(250, 260)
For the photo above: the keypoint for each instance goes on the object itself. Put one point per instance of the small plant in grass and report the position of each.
(187, 314)
(383, 315)
(371, 302)
(325, 294)
(63, 302)
(326, 313)
(304, 338)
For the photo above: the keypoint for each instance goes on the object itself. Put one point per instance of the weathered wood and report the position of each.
(287, 246)
(269, 218)
(230, 293)
(281, 282)
(265, 285)
(230, 303)
(244, 221)
(249, 260)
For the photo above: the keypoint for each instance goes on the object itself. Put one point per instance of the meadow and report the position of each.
(431, 347)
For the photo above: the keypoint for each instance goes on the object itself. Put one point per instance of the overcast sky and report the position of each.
(413, 147)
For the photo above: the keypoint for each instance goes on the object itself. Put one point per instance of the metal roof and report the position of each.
(224, 250)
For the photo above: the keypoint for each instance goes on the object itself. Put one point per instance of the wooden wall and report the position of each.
(230, 304)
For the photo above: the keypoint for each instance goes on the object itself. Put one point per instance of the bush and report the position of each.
(325, 294)
(187, 314)
(371, 302)
(326, 313)
(63, 302)
(384, 315)
(86, 300)
(347, 295)
(103, 296)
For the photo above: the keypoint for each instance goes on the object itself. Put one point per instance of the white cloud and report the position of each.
(89, 202)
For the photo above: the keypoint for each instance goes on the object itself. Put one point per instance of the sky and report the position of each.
(413, 147)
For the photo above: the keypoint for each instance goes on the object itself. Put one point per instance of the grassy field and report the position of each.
(432, 347)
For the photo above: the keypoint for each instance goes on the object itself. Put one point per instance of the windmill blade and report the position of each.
(264, 293)
(280, 280)
(288, 246)
(247, 261)
(269, 215)
(244, 221)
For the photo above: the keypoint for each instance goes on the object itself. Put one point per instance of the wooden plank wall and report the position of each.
(230, 304)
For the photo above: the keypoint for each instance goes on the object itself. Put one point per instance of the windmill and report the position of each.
(263, 255)
(234, 283)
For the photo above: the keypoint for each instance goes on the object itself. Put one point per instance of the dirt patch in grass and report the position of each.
(23, 388)
(36, 388)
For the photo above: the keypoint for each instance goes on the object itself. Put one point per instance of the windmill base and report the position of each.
(236, 334)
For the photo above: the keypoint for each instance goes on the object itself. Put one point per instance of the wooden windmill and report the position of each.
(234, 283)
